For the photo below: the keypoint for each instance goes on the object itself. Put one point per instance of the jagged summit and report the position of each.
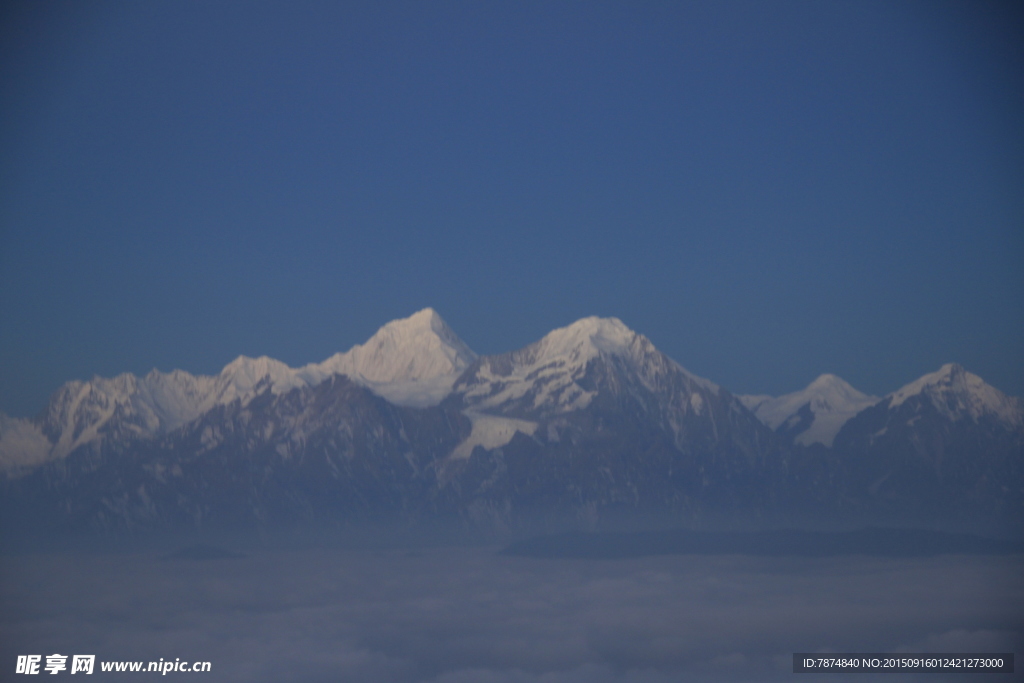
(241, 376)
(411, 361)
(817, 413)
(814, 414)
(545, 373)
(420, 347)
(562, 372)
(834, 393)
(956, 393)
(573, 346)
(586, 338)
(949, 377)
(569, 349)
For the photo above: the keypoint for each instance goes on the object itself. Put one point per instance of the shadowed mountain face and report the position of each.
(589, 422)
(943, 447)
(606, 421)
(334, 451)
(913, 455)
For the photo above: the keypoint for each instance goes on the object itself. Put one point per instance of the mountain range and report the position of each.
(589, 422)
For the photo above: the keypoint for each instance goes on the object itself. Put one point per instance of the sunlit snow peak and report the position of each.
(818, 411)
(957, 393)
(420, 347)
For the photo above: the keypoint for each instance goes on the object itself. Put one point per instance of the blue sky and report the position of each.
(767, 190)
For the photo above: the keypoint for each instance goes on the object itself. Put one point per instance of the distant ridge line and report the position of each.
(871, 541)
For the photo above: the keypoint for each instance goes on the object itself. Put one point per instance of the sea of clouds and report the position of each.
(461, 614)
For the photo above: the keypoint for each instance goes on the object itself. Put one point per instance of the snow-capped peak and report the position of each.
(836, 392)
(586, 338)
(552, 375)
(413, 361)
(575, 345)
(950, 377)
(420, 347)
(830, 400)
(957, 393)
(245, 373)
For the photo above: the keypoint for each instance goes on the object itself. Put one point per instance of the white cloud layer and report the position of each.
(453, 615)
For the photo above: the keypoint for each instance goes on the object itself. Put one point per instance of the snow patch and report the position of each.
(490, 432)
(753, 402)
(423, 393)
